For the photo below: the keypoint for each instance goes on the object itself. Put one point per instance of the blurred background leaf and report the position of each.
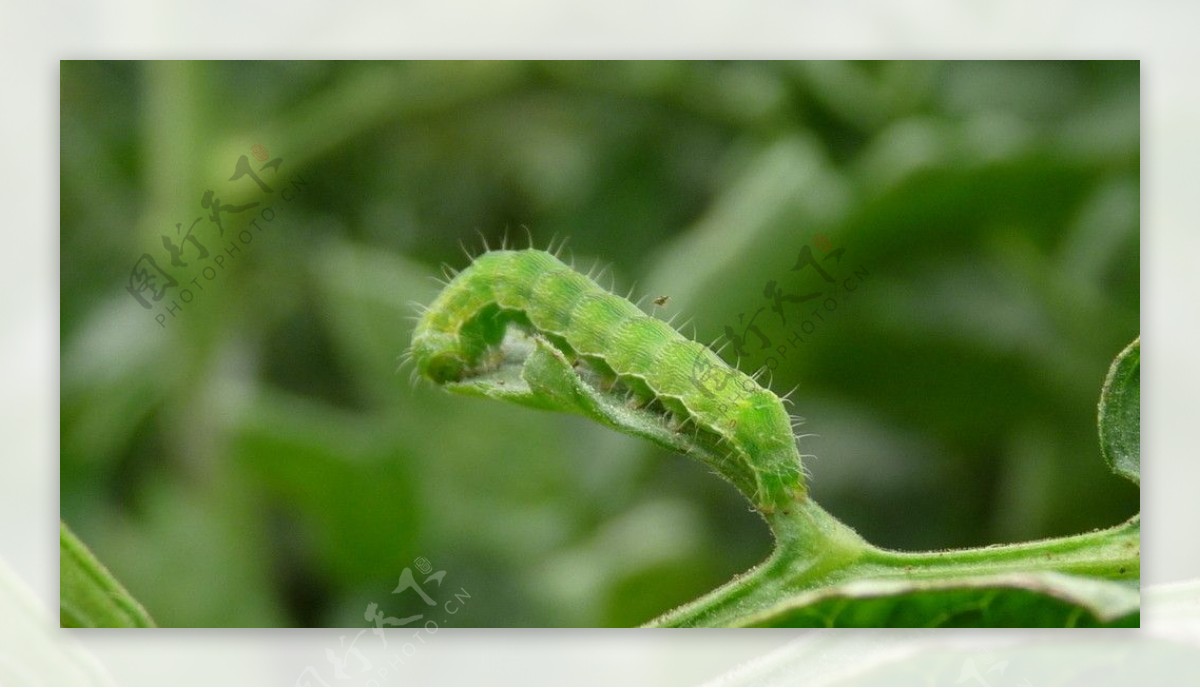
(260, 461)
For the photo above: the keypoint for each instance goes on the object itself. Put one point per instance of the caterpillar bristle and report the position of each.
(557, 252)
(603, 269)
(483, 238)
(462, 245)
(405, 360)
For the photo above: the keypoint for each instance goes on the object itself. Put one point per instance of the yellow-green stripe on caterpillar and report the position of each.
(459, 336)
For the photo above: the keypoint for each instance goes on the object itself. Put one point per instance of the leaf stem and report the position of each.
(1111, 553)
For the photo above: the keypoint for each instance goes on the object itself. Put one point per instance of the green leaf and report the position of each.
(1120, 414)
(89, 596)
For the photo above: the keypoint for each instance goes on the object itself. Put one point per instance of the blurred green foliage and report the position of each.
(259, 461)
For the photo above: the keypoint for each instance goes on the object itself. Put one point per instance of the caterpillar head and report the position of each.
(437, 357)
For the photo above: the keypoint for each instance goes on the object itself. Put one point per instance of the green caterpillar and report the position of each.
(460, 334)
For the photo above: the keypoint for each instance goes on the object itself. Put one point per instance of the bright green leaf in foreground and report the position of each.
(1120, 413)
(89, 595)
